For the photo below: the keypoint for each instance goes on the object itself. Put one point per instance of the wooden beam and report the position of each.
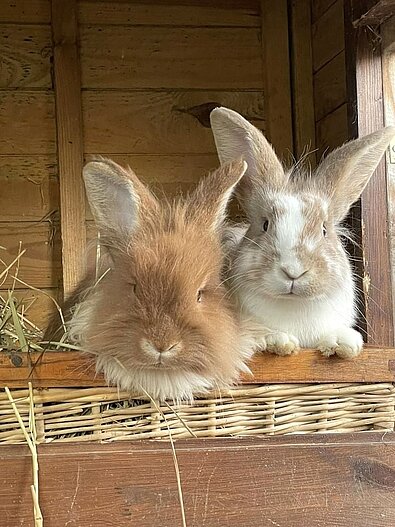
(295, 481)
(302, 79)
(69, 136)
(365, 115)
(377, 13)
(277, 79)
(66, 369)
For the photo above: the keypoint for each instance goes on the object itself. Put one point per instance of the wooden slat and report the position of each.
(21, 11)
(40, 265)
(180, 58)
(339, 480)
(27, 123)
(318, 7)
(149, 122)
(242, 13)
(379, 12)
(388, 35)
(374, 213)
(328, 35)
(29, 187)
(69, 132)
(276, 75)
(26, 53)
(302, 78)
(39, 306)
(332, 130)
(63, 369)
(330, 90)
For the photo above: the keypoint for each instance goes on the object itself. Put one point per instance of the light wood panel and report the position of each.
(27, 123)
(69, 137)
(22, 11)
(330, 90)
(328, 35)
(149, 122)
(38, 305)
(40, 265)
(63, 369)
(29, 187)
(183, 13)
(170, 58)
(276, 76)
(26, 53)
(336, 480)
(332, 130)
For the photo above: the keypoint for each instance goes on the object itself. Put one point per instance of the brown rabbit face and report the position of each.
(163, 304)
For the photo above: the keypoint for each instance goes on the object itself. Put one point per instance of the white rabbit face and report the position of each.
(291, 249)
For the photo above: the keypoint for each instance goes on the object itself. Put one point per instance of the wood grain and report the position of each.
(26, 54)
(27, 123)
(29, 187)
(39, 306)
(379, 12)
(328, 35)
(318, 7)
(276, 75)
(339, 480)
(20, 11)
(180, 58)
(302, 78)
(63, 369)
(388, 35)
(40, 265)
(241, 13)
(330, 90)
(332, 130)
(150, 122)
(70, 146)
(374, 207)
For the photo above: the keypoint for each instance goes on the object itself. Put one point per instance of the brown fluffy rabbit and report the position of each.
(158, 318)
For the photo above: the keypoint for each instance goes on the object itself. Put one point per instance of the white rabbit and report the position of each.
(289, 271)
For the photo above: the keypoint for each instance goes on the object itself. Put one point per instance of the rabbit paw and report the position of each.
(282, 343)
(345, 343)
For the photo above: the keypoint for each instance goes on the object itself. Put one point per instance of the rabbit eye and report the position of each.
(199, 295)
(265, 225)
(324, 231)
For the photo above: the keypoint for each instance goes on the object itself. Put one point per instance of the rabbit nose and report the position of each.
(293, 274)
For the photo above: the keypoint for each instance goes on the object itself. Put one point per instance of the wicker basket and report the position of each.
(104, 414)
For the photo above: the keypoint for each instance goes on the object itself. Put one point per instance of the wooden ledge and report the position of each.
(72, 369)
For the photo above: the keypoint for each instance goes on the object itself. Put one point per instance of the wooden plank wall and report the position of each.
(329, 69)
(150, 74)
(29, 200)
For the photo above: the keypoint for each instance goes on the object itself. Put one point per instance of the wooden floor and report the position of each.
(289, 481)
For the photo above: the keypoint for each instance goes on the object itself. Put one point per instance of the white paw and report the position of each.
(282, 343)
(344, 342)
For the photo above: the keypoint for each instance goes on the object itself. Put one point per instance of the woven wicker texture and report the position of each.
(104, 414)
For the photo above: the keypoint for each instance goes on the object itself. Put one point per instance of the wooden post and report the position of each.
(302, 78)
(365, 115)
(276, 73)
(70, 140)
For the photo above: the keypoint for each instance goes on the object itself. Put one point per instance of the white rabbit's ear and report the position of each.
(235, 137)
(209, 200)
(115, 196)
(345, 172)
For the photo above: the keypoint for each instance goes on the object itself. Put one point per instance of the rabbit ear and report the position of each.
(115, 196)
(346, 171)
(234, 137)
(209, 201)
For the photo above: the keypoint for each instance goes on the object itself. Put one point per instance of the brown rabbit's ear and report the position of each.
(345, 172)
(115, 196)
(235, 137)
(209, 201)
